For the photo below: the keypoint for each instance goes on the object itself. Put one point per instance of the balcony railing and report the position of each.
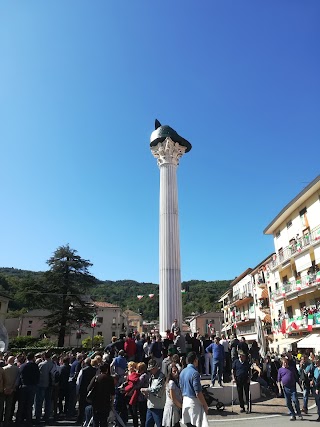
(241, 296)
(246, 330)
(297, 285)
(296, 247)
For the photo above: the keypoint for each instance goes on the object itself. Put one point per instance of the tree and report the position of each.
(67, 286)
(64, 290)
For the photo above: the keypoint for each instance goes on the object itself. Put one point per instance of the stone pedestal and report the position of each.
(168, 154)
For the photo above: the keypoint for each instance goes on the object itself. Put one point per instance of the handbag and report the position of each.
(91, 392)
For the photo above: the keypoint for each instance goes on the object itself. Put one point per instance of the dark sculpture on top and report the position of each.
(162, 132)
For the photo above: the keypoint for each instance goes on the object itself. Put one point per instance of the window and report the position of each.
(290, 311)
(304, 218)
(277, 234)
(100, 319)
(113, 320)
(276, 285)
(289, 224)
(302, 304)
(28, 333)
(100, 333)
(303, 211)
(30, 322)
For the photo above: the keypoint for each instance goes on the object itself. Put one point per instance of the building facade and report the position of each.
(207, 323)
(246, 301)
(110, 322)
(294, 269)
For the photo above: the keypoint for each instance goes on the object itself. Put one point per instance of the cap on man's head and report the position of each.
(152, 364)
(241, 353)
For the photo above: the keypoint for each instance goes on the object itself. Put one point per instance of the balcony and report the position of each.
(299, 285)
(261, 283)
(242, 298)
(297, 246)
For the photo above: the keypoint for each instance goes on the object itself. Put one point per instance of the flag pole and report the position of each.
(92, 336)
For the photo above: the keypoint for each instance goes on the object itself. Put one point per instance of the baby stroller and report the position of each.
(209, 398)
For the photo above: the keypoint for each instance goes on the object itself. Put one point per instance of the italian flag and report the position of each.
(299, 321)
(283, 292)
(94, 322)
(298, 285)
(310, 322)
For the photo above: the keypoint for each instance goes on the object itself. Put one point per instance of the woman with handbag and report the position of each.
(101, 390)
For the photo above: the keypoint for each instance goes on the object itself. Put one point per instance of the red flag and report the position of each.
(294, 325)
(283, 326)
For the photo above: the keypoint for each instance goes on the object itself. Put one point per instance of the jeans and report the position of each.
(216, 369)
(207, 358)
(291, 396)
(154, 417)
(43, 394)
(306, 392)
(317, 399)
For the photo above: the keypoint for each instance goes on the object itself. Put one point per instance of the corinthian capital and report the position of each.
(168, 151)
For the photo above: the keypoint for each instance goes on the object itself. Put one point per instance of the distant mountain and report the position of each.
(199, 295)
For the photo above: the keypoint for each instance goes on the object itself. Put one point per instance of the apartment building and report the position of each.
(294, 271)
(238, 307)
(246, 301)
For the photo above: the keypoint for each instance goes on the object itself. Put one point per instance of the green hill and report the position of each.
(200, 295)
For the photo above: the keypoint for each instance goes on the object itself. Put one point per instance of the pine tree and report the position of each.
(68, 284)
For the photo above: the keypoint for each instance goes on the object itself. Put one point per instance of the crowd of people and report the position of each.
(153, 381)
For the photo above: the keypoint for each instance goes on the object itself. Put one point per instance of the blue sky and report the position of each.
(80, 86)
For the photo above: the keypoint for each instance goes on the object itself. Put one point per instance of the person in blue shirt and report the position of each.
(194, 406)
(217, 360)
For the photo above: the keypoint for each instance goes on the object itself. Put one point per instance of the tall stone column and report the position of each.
(168, 148)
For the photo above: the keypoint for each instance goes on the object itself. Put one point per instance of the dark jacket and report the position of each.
(88, 372)
(64, 376)
(103, 390)
(29, 374)
(241, 371)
